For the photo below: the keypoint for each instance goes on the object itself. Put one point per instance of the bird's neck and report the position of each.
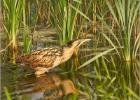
(67, 53)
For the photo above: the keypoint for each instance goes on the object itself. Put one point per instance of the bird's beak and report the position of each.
(81, 41)
(78, 43)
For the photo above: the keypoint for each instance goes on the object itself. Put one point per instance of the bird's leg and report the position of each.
(76, 62)
(75, 52)
(75, 58)
(40, 71)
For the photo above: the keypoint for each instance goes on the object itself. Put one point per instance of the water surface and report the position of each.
(91, 83)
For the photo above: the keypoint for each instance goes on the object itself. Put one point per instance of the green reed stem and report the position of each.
(12, 10)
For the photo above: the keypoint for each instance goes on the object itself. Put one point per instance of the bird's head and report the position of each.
(75, 44)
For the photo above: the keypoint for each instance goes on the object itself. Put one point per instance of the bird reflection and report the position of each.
(48, 86)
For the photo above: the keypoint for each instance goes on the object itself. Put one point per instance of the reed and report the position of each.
(26, 24)
(64, 18)
(12, 11)
(7, 93)
(112, 24)
(124, 13)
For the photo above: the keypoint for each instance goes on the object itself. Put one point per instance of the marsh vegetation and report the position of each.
(106, 68)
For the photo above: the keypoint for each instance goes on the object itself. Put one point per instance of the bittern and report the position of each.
(47, 58)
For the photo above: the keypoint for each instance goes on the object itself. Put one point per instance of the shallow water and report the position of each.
(22, 84)
(90, 83)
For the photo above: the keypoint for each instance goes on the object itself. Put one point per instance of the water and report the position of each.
(107, 78)
(91, 83)
(22, 84)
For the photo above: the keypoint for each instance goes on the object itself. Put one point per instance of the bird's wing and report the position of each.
(41, 58)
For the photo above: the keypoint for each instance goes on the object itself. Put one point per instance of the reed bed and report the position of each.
(114, 23)
(113, 26)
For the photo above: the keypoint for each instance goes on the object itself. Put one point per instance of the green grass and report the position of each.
(114, 23)
(125, 14)
(7, 93)
(113, 26)
(12, 11)
(63, 17)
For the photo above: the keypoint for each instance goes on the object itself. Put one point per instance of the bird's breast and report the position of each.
(57, 62)
(66, 57)
(63, 58)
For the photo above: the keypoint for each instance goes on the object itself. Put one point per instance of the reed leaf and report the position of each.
(125, 14)
(7, 93)
(96, 57)
(12, 11)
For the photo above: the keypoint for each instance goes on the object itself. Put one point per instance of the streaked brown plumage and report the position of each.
(44, 59)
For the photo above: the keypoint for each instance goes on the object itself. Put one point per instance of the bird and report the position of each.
(44, 59)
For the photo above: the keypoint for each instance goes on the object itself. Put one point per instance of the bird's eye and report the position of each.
(69, 44)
